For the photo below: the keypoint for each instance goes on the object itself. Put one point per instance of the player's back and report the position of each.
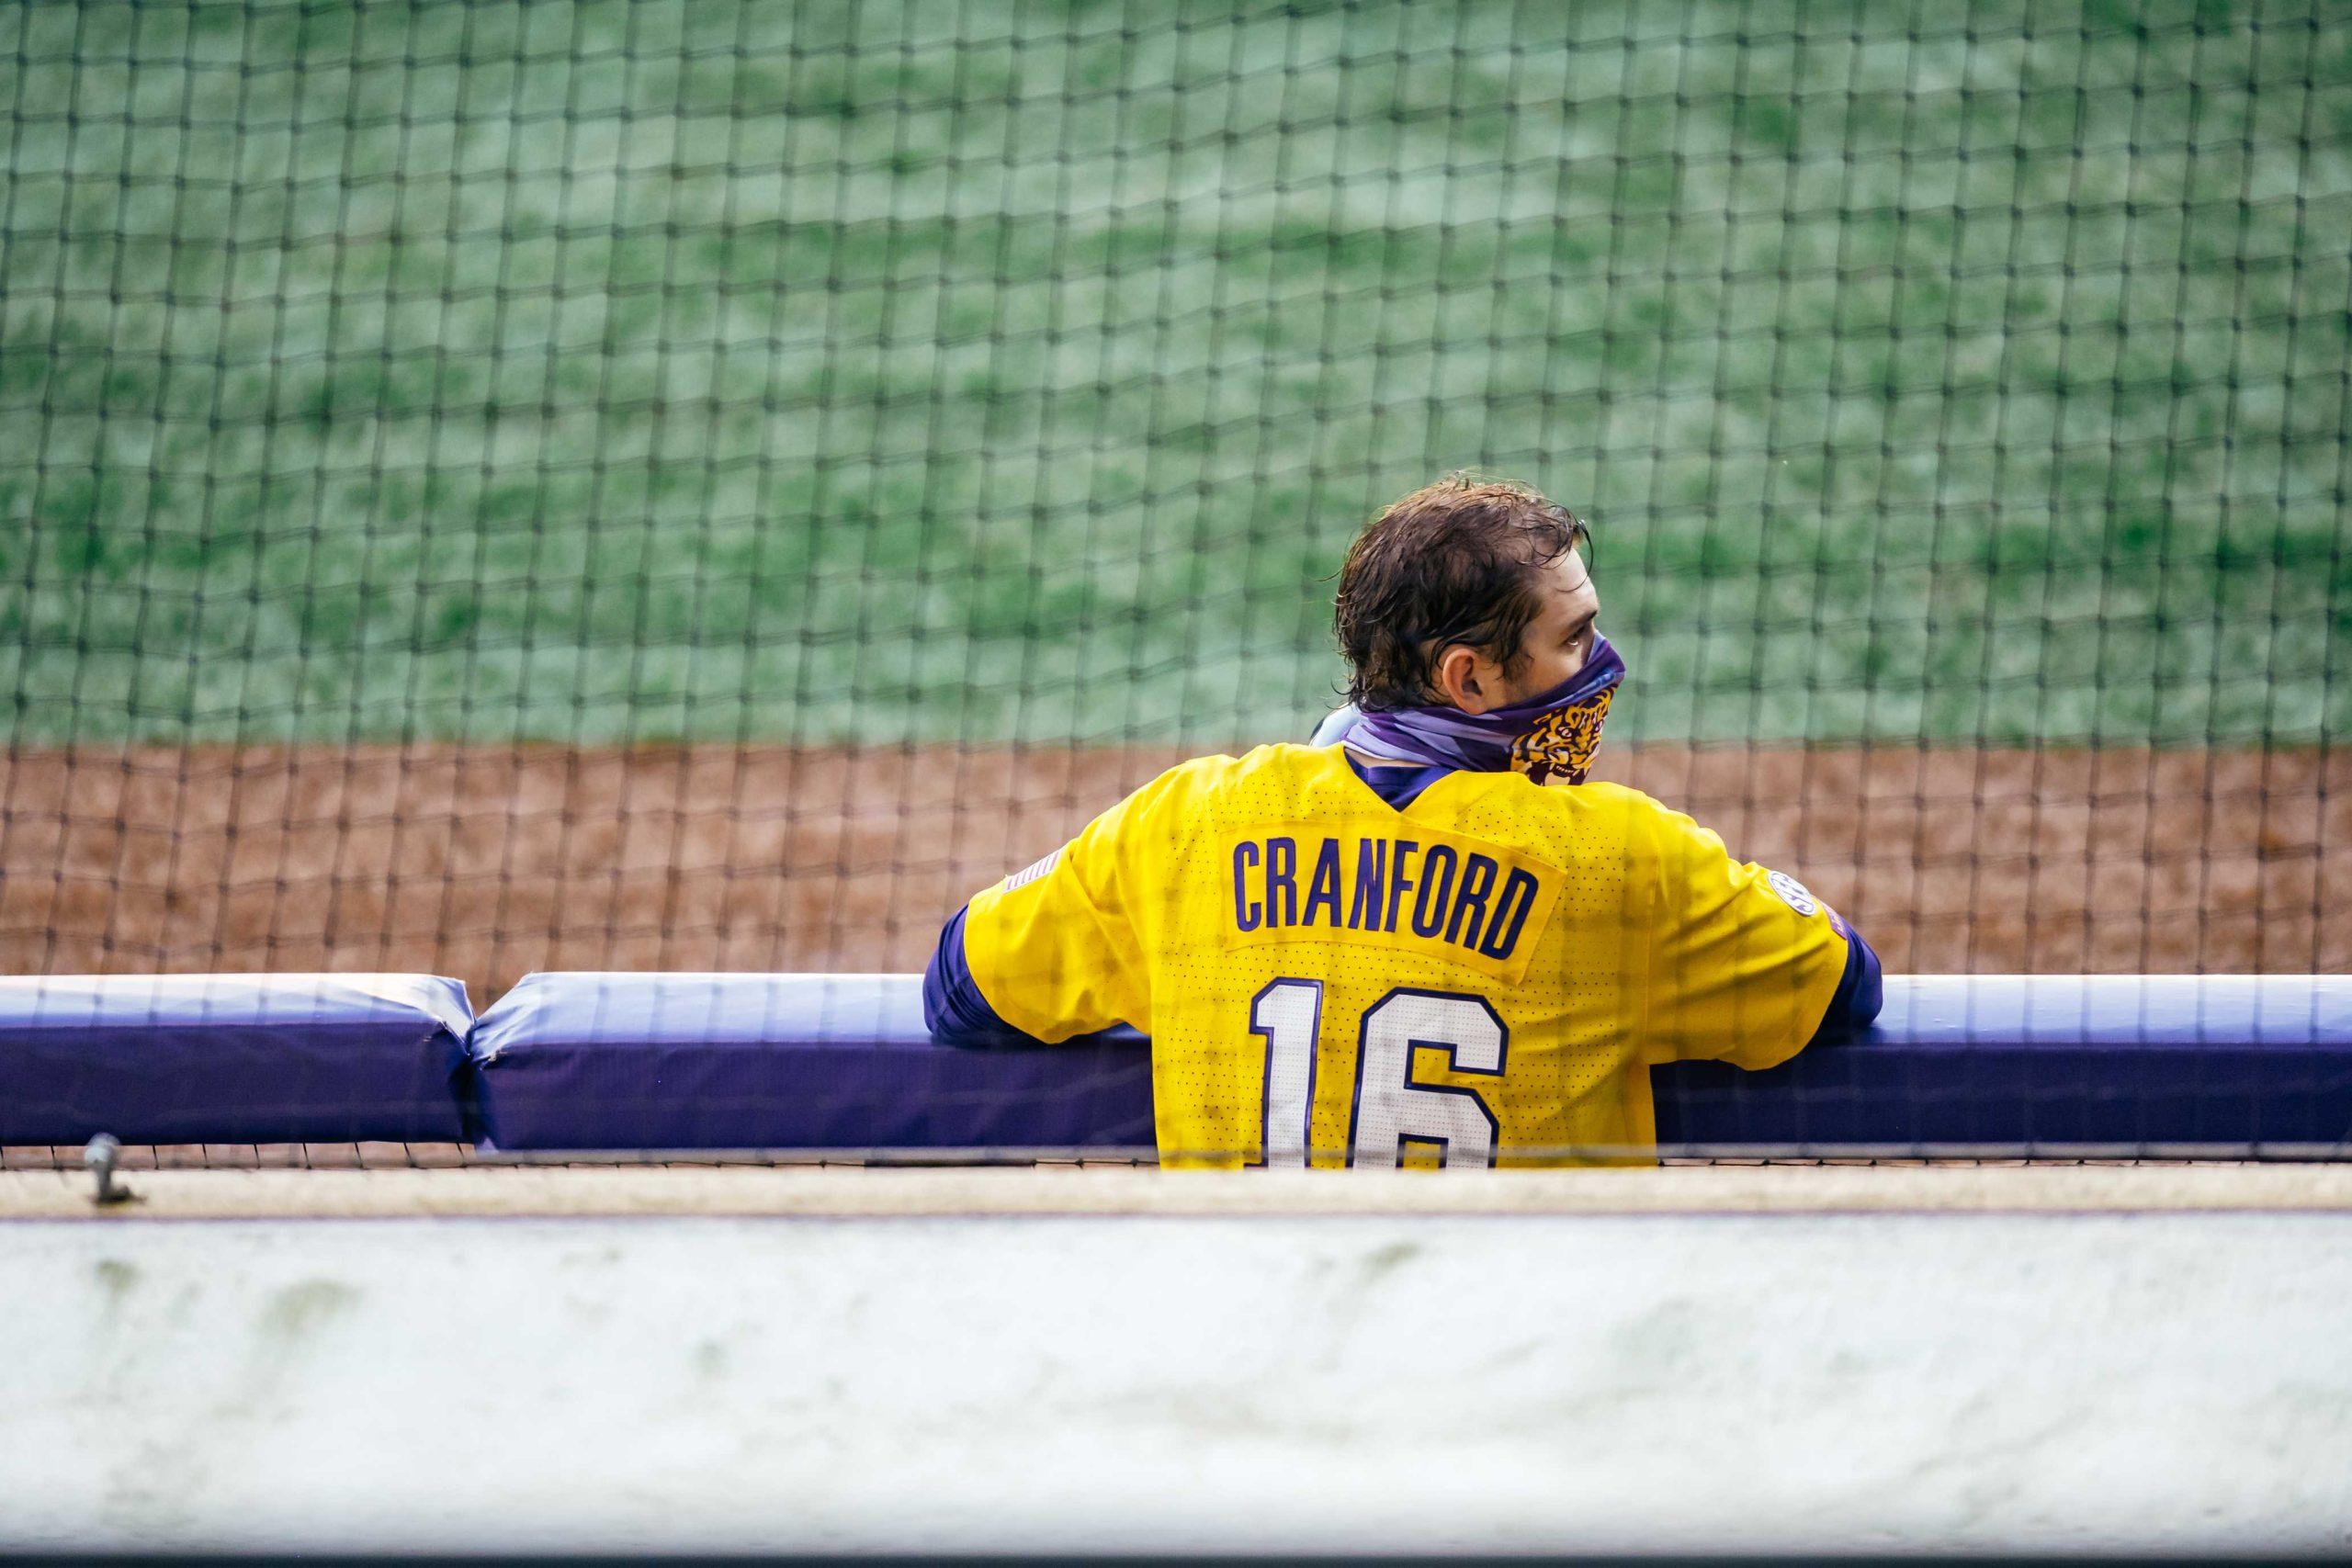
(1478, 975)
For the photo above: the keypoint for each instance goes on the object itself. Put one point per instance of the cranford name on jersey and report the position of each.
(1471, 898)
(1480, 903)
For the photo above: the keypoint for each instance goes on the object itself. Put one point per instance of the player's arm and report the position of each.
(954, 1008)
(1057, 950)
(1745, 964)
(1861, 989)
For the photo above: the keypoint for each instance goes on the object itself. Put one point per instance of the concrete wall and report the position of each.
(1716, 1383)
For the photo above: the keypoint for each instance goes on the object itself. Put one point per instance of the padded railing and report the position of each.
(233, 1058)
(2056, 1063)
(588, 1061)
(706, 1062)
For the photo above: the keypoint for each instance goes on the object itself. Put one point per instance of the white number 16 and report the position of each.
(1389, 1110)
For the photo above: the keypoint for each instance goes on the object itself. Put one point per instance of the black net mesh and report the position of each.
(495, 487)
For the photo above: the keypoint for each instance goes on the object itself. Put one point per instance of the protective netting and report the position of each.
(491, 487)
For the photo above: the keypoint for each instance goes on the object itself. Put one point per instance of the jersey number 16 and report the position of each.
(1389, 1112)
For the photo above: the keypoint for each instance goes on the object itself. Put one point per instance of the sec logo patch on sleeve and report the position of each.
(1794, 894)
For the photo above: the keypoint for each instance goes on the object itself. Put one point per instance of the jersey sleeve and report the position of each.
(1744, 962)
(1058, 949)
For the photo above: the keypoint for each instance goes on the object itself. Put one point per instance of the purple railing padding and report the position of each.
(602, 1061)
(2050, 1061)
(606, 1061)
(812, 1061)
(233, 1058)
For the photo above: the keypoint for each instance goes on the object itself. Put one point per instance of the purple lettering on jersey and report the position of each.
(1512, 906)
(1324, 889)
(1399, 884)
(1282, 882)
(1246, 915)
(1437, 889)
(1477, 881)
(1372, 881)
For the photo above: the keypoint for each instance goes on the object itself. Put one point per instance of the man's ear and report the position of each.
(1456, 675)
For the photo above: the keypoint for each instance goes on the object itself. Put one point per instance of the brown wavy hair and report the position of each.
(1453, 562)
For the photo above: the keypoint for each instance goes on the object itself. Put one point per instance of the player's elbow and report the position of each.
(946, 1012)
(938, 1019)
(954, 1010)
(1861, 992)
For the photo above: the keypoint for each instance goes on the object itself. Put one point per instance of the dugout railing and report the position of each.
(736, 1064)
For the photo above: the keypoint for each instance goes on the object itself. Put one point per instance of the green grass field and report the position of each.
(999, 370)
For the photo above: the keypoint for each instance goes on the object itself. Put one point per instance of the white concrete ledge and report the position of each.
(621, 1191)
(946, 1380)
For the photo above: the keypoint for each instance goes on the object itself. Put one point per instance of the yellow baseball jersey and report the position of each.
(1483, 978)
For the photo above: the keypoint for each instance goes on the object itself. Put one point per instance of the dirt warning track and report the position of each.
(485, 863)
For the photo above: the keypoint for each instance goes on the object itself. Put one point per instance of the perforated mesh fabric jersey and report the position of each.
(1507, 961)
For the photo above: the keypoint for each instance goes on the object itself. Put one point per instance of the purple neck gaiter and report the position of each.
(1550, 738)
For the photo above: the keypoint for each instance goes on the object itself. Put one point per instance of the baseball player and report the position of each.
(1425, 939)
